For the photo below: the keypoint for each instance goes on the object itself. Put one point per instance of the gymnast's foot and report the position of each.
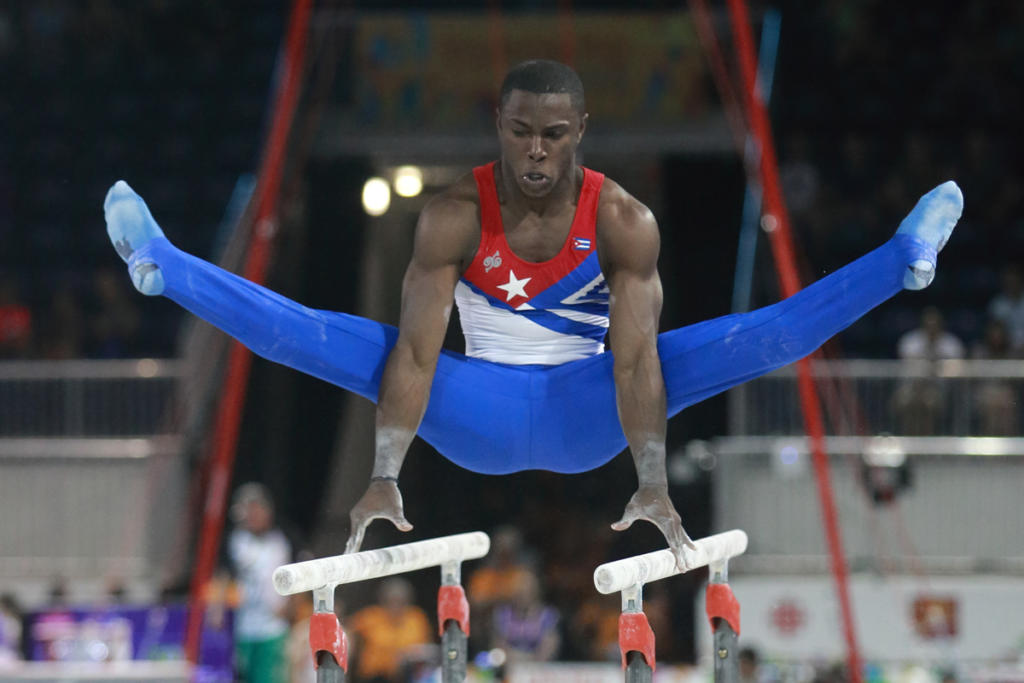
(130, 227)
(931, 221)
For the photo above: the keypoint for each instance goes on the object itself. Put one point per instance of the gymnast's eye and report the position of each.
(520, 133)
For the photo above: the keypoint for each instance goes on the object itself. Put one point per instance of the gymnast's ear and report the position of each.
(583, 126)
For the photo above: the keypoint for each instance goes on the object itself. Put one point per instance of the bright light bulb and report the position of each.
(376, 196)
(408, 181)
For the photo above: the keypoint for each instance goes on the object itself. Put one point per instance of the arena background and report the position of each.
(109, 401)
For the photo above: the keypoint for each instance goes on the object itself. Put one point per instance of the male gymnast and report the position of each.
(544, 259)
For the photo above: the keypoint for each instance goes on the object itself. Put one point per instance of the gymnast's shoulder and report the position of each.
(623, 220)
(451, 219)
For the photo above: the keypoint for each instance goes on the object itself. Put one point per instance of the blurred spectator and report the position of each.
(115, 319)
(1008, 305)
(383, 634)
(58, 593)
(63, 328)
(300, 659)
(919, 400)
(800, 178)
(496, 582)
(10, 629)
(749, 661)
(595, 628)
(115, 592)
(218, 643)
(526, 628)
(256, 547)
(15, 321)
(55, 627)
(996, 399)
(931, 341)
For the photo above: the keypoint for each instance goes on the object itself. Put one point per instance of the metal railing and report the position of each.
(88, 398)
(953, 428)
(943, 398)
(956, 511)
(91, 482)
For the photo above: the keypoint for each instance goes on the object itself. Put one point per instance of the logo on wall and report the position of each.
(936, 616)
(788, 617)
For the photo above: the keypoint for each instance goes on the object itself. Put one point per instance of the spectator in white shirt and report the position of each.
(920, 400)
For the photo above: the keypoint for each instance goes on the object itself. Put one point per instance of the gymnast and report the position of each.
(545, 259)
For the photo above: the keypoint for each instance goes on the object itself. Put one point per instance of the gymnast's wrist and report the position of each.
(384, 478)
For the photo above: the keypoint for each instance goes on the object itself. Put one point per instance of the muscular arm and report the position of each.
(443, 236)
(629, 242)
(635, 305)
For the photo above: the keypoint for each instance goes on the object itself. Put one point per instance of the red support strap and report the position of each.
(781, 240)
(452, 604)
(325, 635)
(722, 604)
(229, 411)
(636, 635)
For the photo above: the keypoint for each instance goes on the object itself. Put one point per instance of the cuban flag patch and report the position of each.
(580, 243)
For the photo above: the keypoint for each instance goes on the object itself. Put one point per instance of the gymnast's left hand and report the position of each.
(652, 503)
(382, 500)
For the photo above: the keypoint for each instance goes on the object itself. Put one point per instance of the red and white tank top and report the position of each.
(524, 313)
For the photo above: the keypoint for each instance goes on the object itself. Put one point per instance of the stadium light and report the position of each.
(376, 196)
(408, 181)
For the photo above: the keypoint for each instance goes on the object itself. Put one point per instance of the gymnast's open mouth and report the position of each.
(535, 179)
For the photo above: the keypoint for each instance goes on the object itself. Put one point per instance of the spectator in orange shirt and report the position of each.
(595, 628)
(384, 633)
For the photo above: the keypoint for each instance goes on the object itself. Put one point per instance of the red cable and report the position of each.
(229, 412)
(720, 73)
(777, 218)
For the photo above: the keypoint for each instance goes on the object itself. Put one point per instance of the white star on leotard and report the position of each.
(514, 287)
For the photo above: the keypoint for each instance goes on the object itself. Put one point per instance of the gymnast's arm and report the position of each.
(444, 234)
(628, 242)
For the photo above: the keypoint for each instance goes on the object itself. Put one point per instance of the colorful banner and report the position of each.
(111, 634)
(442, 72)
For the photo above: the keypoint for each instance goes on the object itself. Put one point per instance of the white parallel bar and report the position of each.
(661, 564)
(371, 564)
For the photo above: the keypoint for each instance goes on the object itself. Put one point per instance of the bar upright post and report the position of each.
(453, 623)
(724, 615)
(327, 640)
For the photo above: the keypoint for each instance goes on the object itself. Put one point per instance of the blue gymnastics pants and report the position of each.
(496, 419)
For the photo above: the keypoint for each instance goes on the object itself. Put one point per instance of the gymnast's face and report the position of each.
(539, 135)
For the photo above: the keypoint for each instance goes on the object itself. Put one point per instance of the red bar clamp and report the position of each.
(721, 603)
(635, 634)
(452, 604)
(325, 635)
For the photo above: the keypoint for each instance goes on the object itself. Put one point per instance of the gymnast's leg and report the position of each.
(574, 419)
(707, 358)
(345, 350)
(474, 408)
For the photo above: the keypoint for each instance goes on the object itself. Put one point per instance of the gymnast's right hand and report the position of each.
(382, 500)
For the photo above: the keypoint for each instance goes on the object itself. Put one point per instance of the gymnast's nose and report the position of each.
(536, 152)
